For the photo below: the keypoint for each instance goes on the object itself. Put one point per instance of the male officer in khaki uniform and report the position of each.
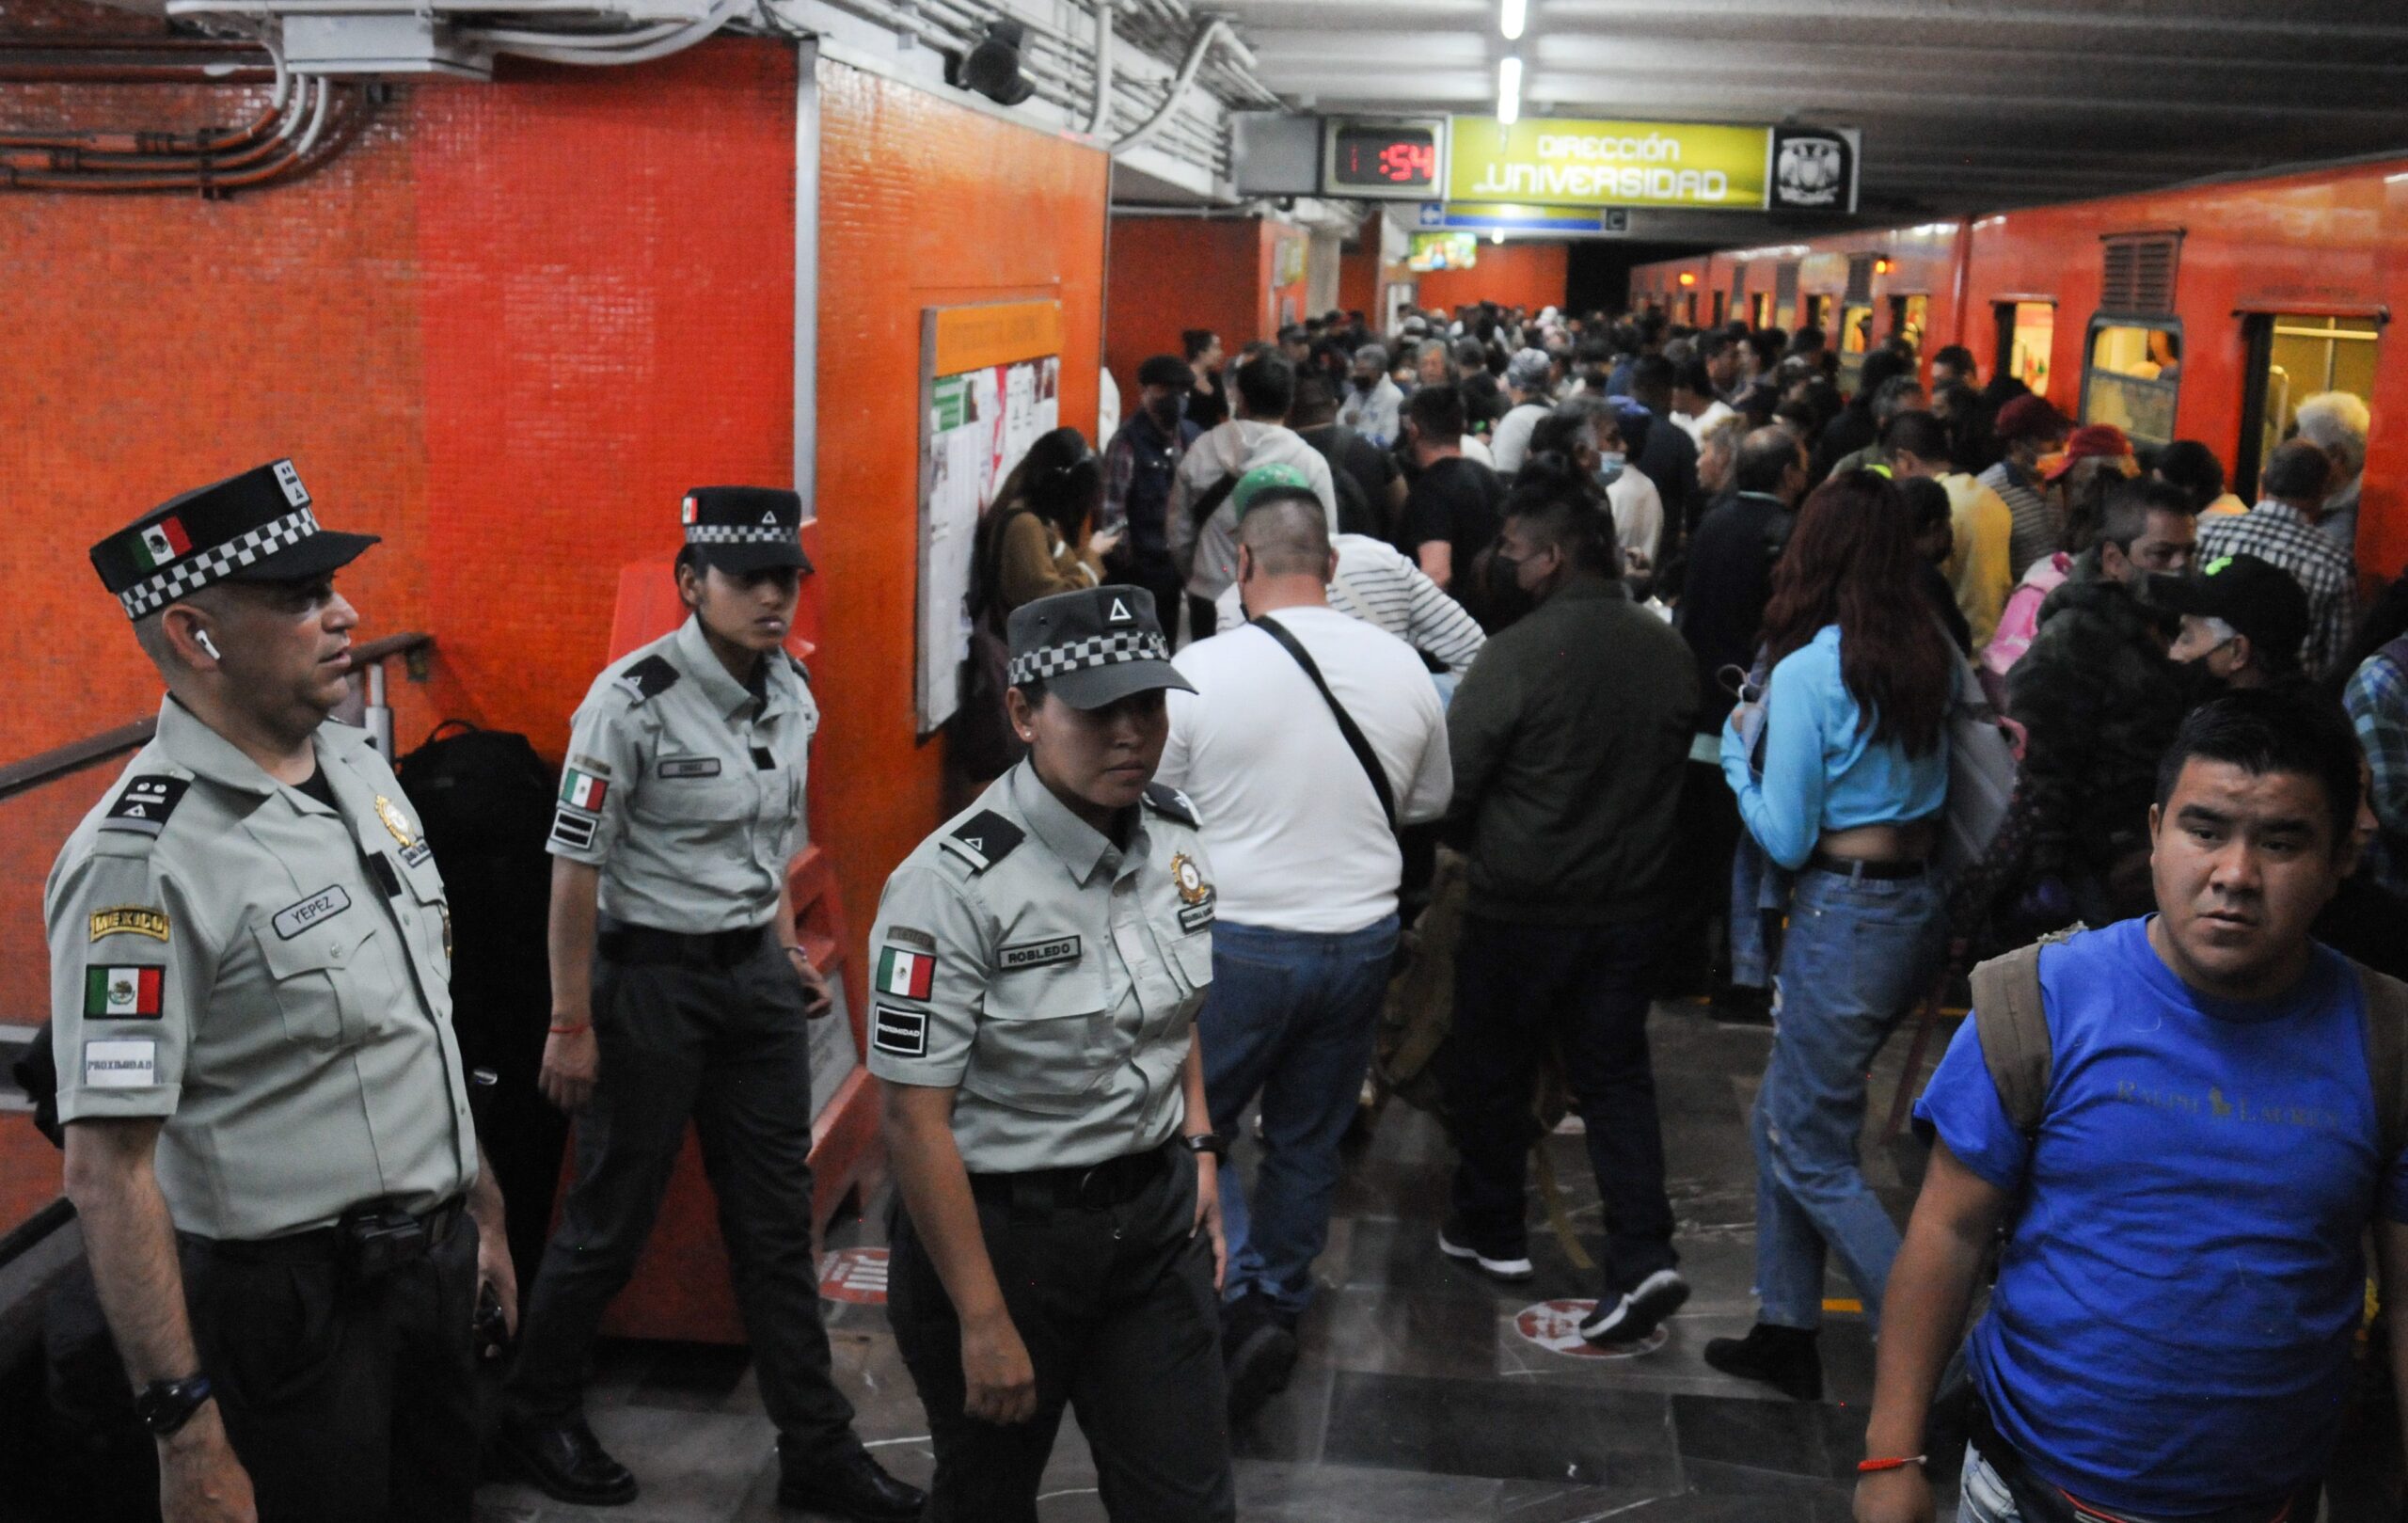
(268, 1138)
(678, 991)
(1038, 963)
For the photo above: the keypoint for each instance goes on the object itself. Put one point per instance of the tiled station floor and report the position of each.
(1419, 1395)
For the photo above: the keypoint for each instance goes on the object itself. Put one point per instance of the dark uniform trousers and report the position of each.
(347, 1400)
(728, 1048)
(1118, 1309)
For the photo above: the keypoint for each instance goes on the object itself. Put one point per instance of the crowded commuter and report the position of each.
(1898, 394)
(230, 1136)
(2283, 529)
(1720, 616)
(2336, 423)
(1586, 431)
(1971, 441)
(1056, 1238)
(1848, 794)
(1203, 527)
(1857, 426)
(2376, 697)
(1953, 365)
(2194, 468)
(1369, 488)
(2172, 1121)
(1451, 512)
(1978, 566)
(1528, 382)
(1696, 406)
(2243, 621)
(1208, 398)
(1931, 514)
(2099, 700)
(2026, 429)
(1568, 737)
(1035, 540)
(682, 995)
(1664, 451)
(1374, 403)
(1139, 467)
(1309, 738)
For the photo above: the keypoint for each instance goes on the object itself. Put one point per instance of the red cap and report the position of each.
(2030, 417)
(2090, 441)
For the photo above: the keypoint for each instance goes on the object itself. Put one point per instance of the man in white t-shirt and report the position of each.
(1305, 865)
(1529, 378)
(1379, 586)
(1199, 523)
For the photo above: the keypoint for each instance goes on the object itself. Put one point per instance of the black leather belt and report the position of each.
(1878, 871)
(1113, 1182)
(329, 1244)
(693, 949)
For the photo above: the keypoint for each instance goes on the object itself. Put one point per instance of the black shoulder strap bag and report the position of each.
(1346, 725)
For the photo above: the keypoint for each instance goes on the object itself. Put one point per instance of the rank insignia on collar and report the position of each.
(395, 821)
(1189, 879)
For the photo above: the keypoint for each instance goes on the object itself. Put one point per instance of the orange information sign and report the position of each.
(979, 338)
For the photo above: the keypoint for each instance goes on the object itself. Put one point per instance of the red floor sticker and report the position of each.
(1555, 1325)
(857, 1276)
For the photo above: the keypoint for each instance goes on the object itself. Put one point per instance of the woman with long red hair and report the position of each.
(1847, 795)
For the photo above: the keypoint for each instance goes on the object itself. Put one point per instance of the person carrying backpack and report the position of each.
(2185, 1123)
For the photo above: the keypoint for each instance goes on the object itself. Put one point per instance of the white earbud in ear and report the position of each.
(208, 646)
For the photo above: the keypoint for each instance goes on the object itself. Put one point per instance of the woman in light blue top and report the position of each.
(1847, 791)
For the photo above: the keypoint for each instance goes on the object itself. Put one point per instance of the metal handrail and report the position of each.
(92, 750)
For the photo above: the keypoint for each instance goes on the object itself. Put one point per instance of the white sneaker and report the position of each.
(1510, 1270)
(1627, 1319)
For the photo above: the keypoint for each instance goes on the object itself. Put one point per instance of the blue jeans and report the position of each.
(1852, 962)
(1585, 989)
(1290, 1018)
(1758, 888)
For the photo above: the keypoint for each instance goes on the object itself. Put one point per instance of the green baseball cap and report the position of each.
(1286, 479)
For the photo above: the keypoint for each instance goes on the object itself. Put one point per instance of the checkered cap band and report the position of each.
(1048, 662)
(218, 562)
(740, 533)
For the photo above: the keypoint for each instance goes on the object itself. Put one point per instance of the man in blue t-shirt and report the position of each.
(2170, 1334)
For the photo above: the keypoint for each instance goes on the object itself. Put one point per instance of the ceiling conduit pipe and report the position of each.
(1100, 114)
(1217, 31)
(604, 52)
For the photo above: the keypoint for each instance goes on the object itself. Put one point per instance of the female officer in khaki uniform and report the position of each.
(681, 805)
(1038, 966)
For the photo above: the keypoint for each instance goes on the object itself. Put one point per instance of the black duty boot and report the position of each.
(1258, 1352)
(852, 1486)
(569, 1464)
(1784, 1358)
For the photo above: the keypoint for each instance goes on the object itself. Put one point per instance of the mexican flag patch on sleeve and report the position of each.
(906, 974)
(122, 993)
(583, 790)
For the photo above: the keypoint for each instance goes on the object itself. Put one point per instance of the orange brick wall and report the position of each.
(1510, 274)
(1169, 274)
(1359, 275)
(922, 203)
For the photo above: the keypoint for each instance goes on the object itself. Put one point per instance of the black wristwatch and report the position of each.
(1208, 1142)
(165, 1405)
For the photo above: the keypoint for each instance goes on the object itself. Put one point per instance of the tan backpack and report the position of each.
(2013, 1025)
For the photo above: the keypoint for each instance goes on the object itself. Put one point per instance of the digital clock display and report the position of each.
(1383, 159)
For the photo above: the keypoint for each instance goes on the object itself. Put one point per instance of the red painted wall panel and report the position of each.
(922, 203)
(1169, 274)
(1511, 275)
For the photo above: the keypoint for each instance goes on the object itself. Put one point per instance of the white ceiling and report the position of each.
(1965, 104)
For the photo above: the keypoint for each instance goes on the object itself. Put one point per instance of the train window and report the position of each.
(2131, 375)
(1818, 314)
(1760, 314)
(1910, 319)
(1719, 309)
(2026, 332)
(2291, 359)
(1856, 337)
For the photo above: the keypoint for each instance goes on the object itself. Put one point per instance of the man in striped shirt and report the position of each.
(2027, 428)
(1378, 585)
(2282, 529)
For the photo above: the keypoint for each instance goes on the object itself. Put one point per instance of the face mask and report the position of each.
(1366, 383)
(1609, 466)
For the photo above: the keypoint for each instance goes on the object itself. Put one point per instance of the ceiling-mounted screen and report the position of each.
(1383, 160)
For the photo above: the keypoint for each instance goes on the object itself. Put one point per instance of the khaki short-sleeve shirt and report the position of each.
(686, 786)
(269, 976)
(1050, 975)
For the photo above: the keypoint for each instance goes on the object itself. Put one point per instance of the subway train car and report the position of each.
(2206, 312)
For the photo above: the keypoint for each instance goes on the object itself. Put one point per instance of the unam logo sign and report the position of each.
(1810, 169)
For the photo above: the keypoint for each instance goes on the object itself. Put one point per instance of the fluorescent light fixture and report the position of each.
(1509, 91)
(1510, 19)
(1498, 236)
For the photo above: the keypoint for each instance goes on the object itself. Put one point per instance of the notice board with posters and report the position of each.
(990, 383)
